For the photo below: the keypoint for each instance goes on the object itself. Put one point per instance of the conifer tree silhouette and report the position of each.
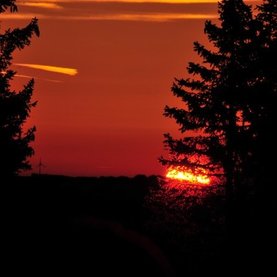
(263, 104)
(14, 106)
(215, 132)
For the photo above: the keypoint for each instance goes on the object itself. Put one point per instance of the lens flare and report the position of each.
(184, 174)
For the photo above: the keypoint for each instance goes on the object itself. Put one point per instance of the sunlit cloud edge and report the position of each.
(50, 68)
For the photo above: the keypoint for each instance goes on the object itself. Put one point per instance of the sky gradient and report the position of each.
(103, 72)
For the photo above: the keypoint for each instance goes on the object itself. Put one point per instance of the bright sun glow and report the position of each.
(183, 174)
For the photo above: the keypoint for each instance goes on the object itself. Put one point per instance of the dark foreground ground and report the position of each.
(105, 226)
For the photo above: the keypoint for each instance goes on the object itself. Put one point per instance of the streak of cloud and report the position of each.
(140, 1)
(45, 5)
(55, 69)
(37, 78)
(19, 16)
(123, 10)
(149, 17)
(143, 17)
(120, 10)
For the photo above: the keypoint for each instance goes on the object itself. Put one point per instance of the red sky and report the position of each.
(100, 105)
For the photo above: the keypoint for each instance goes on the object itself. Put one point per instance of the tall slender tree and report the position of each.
(15, 106)
(213, 120)
(263, 107)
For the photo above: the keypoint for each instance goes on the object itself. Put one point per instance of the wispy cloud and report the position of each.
(19, 16)
(32, 77)
(149, 17)
(37, 78)
(130, 1)
(55, 69)
(138, 1)
(45, 5)
(163, 17)
(117, 10)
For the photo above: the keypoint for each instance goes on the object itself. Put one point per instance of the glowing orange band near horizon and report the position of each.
(178, 173)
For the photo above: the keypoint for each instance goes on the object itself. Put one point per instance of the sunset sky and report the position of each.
(103, 72)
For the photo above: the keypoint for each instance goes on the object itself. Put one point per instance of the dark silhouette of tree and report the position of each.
(14, 106)
(263, 107)
(5, 4)
(213, 120)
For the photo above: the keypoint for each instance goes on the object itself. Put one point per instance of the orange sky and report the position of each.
(103, 74)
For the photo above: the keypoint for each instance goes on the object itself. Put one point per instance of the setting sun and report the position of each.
(183, 174)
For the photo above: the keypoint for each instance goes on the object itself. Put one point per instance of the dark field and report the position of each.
(127, 227)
